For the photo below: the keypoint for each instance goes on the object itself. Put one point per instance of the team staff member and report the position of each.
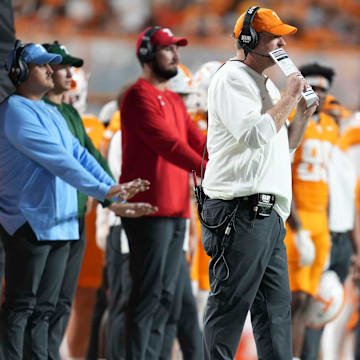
(62, 83)
(41, 164)
(248, 186)
(159, 136)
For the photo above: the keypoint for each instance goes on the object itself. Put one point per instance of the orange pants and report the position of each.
(200, 266)
(91, 269)
(307, 278)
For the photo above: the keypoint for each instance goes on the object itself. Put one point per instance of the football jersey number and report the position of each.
(314, 157)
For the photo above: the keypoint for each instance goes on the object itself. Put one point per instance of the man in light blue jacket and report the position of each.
(41, 166)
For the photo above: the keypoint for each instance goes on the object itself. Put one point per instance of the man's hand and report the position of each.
(132, 209)
(305, 247)
(295, 85)
(127, 190)
(303, 113)
(280, 112)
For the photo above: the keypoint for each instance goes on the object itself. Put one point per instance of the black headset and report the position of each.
(19, 70)
(248, 37)
(146, 50)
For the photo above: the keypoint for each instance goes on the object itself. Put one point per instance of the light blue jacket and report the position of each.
(41, 164)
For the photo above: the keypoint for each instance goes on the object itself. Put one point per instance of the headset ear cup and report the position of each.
(248, 32)
(147, 51)
(14, 74)
(24, 71)
(254, 38)
(19, 70)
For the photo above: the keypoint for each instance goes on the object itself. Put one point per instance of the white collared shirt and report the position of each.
(246, 153)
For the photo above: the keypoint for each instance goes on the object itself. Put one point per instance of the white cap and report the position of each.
(328, 302)
(201, 80)
(79, 91)
(107, 111)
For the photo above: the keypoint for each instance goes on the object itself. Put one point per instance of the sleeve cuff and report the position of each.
(103, 190)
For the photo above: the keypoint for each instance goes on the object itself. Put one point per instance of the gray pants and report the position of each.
(119, 293)
(252, 275)
(183, 321)
(155, 259)
(34, 272)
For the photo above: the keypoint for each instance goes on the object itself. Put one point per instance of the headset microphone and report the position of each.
(255, 52)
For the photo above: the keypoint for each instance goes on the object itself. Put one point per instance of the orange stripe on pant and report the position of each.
(200, 266)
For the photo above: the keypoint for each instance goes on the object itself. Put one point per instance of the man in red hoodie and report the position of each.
(162, 144)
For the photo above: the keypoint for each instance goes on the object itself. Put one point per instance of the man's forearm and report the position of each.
(282, 110)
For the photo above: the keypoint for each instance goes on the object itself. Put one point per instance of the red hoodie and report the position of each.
(160, 143)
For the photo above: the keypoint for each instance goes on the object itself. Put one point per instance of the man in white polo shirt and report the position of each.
(248, 192)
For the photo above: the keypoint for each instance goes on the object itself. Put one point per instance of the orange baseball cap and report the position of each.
(265, 20)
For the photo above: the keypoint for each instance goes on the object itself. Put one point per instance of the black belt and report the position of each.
(261, 204)
(264, 198)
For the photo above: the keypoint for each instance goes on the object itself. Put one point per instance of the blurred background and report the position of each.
(104, 32)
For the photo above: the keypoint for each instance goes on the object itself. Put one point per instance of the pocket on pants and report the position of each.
(214, 213)
(209, 241)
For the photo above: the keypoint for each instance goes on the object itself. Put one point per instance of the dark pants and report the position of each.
(252, 275)
(60, 317)
(101, 304)
(155, 258)
(183, 322)
(2, 268)
(118, 265)
(357, 330)
(59, 320)
(340, 256)
(34, 271)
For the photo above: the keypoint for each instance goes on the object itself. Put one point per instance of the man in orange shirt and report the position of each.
(308, 240)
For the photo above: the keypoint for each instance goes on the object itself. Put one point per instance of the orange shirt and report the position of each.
(112, 128)
(309, 170)
(94, 129)
(91, 270)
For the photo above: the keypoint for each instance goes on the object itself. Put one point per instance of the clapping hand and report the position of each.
(132, 209)
(127, 190)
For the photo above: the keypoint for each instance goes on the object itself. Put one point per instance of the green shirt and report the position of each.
(76, 127)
